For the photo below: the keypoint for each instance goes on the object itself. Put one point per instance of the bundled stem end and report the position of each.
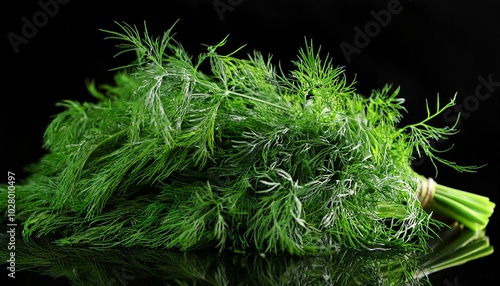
(472, 210)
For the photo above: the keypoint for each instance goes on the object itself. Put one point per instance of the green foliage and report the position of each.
(243, 157)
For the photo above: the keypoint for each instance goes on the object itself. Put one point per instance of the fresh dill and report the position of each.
(244, 158)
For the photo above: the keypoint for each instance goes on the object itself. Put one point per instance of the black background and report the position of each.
(428, 48)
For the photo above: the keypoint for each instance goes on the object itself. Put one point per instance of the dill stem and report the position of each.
(479, 201)
(385, 210)
(471, 209)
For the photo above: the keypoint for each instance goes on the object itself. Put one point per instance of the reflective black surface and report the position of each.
(41, 261)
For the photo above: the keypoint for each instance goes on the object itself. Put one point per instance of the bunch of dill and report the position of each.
(241, 158)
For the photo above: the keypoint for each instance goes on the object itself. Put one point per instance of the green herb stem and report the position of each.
(472, 210)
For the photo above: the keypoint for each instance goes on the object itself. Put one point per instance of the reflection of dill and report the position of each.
(137, 266)
(245, 158)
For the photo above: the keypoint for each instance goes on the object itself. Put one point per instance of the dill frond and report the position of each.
(244, 158)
